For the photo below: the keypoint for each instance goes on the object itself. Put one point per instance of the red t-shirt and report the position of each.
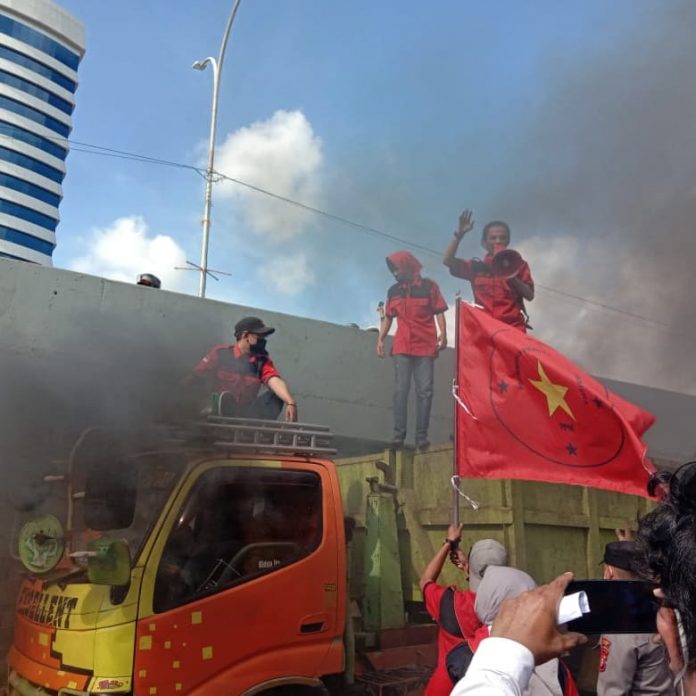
(440, 683)
(240, 374)
(414, 306)
(493, 293)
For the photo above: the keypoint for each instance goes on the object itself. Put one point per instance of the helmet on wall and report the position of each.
(152, 281)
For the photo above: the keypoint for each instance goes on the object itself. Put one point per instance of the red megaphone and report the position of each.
(506, 263)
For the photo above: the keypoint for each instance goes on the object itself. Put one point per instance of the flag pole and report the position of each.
(455, 449)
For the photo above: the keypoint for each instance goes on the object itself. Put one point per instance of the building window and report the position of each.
(34, 115)
(36, 67)
(7, 234)
(31, 164)
(9, 130)
(40, 41)
(238, 524)
(14, 258)
(28, 189)
(35, 91)
(24, 213)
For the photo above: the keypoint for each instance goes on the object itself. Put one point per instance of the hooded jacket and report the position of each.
(500, 583)
(413, 301)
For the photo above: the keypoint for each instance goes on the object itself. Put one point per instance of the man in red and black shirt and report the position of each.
(416, 303)
(502, 298)
(238, 371)
(453, 609)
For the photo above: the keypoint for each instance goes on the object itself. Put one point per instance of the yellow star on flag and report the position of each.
(554, 393)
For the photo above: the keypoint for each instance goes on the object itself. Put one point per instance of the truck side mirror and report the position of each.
(108, 562)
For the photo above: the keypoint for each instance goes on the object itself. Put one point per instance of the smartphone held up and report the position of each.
(613, 606)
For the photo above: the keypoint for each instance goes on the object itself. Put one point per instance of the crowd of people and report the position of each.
(501, 636)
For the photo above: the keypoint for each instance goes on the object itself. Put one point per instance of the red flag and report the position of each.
(524, 411)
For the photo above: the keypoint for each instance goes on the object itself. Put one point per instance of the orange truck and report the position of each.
(205, 560)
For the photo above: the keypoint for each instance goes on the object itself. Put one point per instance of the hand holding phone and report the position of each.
(616, 606)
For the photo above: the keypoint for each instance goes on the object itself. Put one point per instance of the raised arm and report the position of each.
(465, 225)
(434, 568)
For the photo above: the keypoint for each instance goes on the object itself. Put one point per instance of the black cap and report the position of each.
(621, 554)
(252, 325)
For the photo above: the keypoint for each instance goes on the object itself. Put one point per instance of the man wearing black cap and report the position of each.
(237, 372)
(630, 663)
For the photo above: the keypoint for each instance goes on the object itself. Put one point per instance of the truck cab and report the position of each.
(208, 560)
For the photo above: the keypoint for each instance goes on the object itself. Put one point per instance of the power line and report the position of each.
(88, 148)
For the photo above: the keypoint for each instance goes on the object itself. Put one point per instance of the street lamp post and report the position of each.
(217, 69)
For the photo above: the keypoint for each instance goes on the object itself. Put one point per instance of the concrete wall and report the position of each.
(116, 346)
(77, 350)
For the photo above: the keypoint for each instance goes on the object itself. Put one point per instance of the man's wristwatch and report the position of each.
(453, 543)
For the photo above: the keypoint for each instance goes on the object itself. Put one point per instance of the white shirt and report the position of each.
(501, 667)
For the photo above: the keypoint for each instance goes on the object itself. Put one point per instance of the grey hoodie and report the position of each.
(500, 583)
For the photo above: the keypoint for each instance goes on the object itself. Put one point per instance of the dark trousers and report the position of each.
(266, 406)
(421, 369)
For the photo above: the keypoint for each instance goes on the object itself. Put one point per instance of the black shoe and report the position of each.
(396, 443)
(423, 445)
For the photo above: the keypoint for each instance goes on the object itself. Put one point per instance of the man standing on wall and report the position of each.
(417, 304)
(503, 298)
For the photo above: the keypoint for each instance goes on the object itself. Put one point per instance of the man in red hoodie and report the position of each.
(417, 304)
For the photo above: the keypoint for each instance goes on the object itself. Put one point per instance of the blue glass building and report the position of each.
(41, 46)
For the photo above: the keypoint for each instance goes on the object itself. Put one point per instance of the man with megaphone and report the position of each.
(502, 281)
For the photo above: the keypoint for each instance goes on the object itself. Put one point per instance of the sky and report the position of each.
(571, 121)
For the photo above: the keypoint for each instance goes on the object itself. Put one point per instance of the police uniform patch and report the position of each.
(604, 646)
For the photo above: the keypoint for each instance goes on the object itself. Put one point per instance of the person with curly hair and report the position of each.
(666, 543)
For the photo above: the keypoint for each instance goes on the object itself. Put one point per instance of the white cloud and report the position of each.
(124, 249)
(282, 155)
(289, 274)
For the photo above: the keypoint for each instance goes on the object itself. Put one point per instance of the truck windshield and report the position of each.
(123, 496)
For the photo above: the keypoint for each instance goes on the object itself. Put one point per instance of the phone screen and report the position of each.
(616, 606)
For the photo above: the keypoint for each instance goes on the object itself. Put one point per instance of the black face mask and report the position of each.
(259, 347)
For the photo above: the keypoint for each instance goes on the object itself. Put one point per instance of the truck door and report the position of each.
(242, 585)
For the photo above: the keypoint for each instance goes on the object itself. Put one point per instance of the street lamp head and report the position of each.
(201, 64)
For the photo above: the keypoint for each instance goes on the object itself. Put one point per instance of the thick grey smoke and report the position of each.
(72, 361)
(613, 200)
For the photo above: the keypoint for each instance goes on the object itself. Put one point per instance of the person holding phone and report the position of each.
(634, 663)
